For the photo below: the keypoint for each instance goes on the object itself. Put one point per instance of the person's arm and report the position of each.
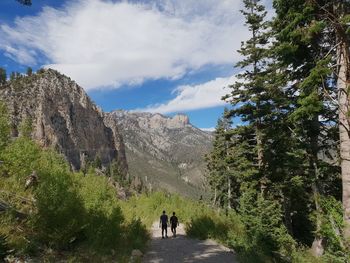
(160, 222)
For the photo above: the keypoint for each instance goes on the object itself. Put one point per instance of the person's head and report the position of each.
(173, 213)
(163, 212)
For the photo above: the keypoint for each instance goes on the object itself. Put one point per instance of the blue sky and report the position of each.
(167, 56)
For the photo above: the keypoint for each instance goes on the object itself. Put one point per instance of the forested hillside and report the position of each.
(283, 167)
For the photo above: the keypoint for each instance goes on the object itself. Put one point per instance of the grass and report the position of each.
(149, 207)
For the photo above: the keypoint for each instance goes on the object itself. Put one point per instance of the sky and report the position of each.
(165, 56)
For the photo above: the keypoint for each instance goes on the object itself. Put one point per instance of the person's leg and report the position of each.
(166, 231)
(163, 231)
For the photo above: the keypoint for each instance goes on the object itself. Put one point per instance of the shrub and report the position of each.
(4, 126)
(104, 217)
(3, 247)
(60, 211)
(136, 235)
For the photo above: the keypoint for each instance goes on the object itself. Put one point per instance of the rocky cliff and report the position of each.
(63, 117)
(166, 152)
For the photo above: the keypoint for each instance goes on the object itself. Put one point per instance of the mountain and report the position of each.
(63, 117)
(165, 152)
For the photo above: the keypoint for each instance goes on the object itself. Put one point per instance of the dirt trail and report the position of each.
(183, 249)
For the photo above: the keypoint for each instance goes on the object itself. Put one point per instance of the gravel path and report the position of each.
(185, 250)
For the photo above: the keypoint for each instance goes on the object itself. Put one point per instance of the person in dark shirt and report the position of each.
(174, 222)
(163, 223)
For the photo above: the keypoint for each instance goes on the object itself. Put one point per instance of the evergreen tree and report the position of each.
(12, 76)
(286, 100)
(4, 127)
(338, 14)
(217, 164)
(305, 48)
(3, 76)
(29, 71)
(248, 97)
(25, 2)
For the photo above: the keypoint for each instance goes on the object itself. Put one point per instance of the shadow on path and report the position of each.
(183, 249)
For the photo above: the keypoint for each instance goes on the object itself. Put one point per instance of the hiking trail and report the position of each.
(184, 249)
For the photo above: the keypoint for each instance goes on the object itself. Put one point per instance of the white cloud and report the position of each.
(206, 95)
(102, 43)
(211, 129)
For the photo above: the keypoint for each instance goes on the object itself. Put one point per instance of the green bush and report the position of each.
(60, 211)
(203, 227)
(4, 127)
(104, 217)
(149, 207)
(136, 235)
(68, 208)
(3, 247)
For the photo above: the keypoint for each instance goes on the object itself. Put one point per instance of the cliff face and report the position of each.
(165, 152)
(63, 117)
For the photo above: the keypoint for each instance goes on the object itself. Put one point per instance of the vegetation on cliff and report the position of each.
(45, 207)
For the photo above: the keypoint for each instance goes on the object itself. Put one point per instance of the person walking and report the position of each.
(163, 223)
(174, 222)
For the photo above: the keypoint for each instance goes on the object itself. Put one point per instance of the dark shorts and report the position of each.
(164, 227)
(174, 226)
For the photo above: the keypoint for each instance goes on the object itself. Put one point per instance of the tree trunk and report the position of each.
(215, 196)
(229, 193)
(317, 245)
(260, 153)
(344, 128)
(287, 214)
(314, 132)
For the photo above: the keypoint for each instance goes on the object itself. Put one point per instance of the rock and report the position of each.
(317, 248)
(136, 256)
(31, 180)
(136, 253)
(169, 152)
(63, 117)
(3, 206)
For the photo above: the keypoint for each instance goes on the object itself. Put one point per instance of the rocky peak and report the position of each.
(166, 151)
(155, 121)
(63, 117)
(181, 119)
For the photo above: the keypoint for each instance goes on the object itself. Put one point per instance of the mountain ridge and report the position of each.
(165, 147)
(63, 117)
(165, 152)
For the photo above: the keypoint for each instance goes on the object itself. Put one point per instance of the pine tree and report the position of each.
(304, 51)
(217, 164)
(4, 127)
(248, 96)
(12, 76)
(25, 2)
(3, 76)
(29, 71)
(337, 13)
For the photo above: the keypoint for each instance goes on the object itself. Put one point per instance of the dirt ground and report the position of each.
(184, 249)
